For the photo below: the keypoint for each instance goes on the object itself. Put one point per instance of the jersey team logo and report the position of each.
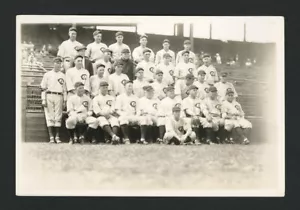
(151, 69)
(109, 102)
(109, 70)
(206, 90)
(237, 107)
(212, 73)
(190, 70)
(85, 103)
(191, 60)
(102, 49)
(123, 81)
(83, 76)
(133, 104)
(155, 106)
(197, 105)
(178, 105)
(61, 81)
(165, 90)
(180, 128)
(218, 106)
(171, 72)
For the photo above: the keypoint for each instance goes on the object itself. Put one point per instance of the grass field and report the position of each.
(137, 167)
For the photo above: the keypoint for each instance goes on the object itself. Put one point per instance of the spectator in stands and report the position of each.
(166, 49)
(187, 47)
(86, 63)
(67, 48)
(138, 54)
(106, 61)
(128, 64)
(218, 59)
(117, 47)
(95, 50)
(248, 63)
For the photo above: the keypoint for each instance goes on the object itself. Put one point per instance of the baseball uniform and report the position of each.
(137, 54)
(94, 50)
(168, 71)
(117, 49)
(95, 84)
(138, 87)
(78, 108)
(126, 107)
(234, 115)
(149, 69)
(67, 48)
(165, 109)
(202, 89)
(211, 76)
(181, 89)
(117, 82)
(159, 56)
(223, 88)
(54, 92)
(212, 108)
(74, 75)
(182, 69)
(147, 111)
(192, 107)
(179, 58)
(108, 67)
(159, 89)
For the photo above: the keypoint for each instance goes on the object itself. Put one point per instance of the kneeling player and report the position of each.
(178, 131)
(233, 114)
(105, 115)
(211, 108)
(147, 112)
(78, 108)
(126, 107)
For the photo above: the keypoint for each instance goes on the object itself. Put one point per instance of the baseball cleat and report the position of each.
(159, 141)
(208, 141)
(115, 140)
(231, 141)
(52, 140)
(71, 141)
(75, 140)
(126, 141)
(197, 142)
(81, 139)
(58, 141)
(94, 141)
(246, 141)
(143, 141)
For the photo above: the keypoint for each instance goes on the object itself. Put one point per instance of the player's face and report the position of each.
(159, 77)
(167, 60)
(107, 55)
(230, 97)
(140, 74)
(119, 39)
(171, 94)
(125, 56)
(176, 114)
(186, 57)
(223, 79)
(78, 62)
(207, 60)
(104, 90)
(187, 46)
(189, 81)
(193, 92)
(166, 45)
(143, 41)
(147, 56)
(80, 90)
(119, 68)
(213, 95)
(81, 52)
(201, 77)
(57, 66)
(100, 71)
(150, 94)
(98, 37)
(72, 35)
(129, 87)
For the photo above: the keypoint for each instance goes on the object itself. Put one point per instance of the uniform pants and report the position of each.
(241, 122)
(147, 120)
(101, 121)
(214, 124)
(53, 111)
(169, 135)
(74, 119)
(129, 119)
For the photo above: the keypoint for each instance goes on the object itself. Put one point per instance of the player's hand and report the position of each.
(44, 103)
(209, 118)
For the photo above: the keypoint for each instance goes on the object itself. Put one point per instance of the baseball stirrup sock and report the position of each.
(108, 130)
(162, 131)
(209, 133)
(57, 131)
(143, 131)
(240, 132)
(50, 131)
(71, 133)
(115, 130)
(125, 131)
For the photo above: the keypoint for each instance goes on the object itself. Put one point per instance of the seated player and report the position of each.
(185, 67)
(165, 110)
(181, 86)
(234, 117)
(78, 108)
(159, 85)
(211, 72)
(211, 108)
(147, 65)
(126, 105)
(105, 114)
(191, 107)
(168, 68)
(139, 83)
(223, 86)
(96, 79)
(202, 85)
(178, 131)
(147, 112)
(118, 79)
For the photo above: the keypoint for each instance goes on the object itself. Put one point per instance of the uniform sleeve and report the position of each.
(242, 113)
(152, 56)
(69, 82)
(204, 108)
(44, 86)
(157, 58)
(87, 83)
(70, 106)
(96, 107)
(178, 88)
(177, 70)
(88, 51)
(224, 110)
(139, 107)
(135, 55)
(64, 89)
(61, 50)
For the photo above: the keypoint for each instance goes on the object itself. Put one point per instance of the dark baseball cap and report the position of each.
(148, 88)
(166, 40)
(187, 42)
(125, 51)
(96, 33)
(185, 51)
(118, 62)
(190, 76)
(72, 29)
(146, 50)
(81, 47)
(119, 33)
(206, 55)
(103, 83)
(192, 87)
(159, 72)
(230, 91)
(212, 89)
(57, 60)
(78, 84)
(143, 36)
(176, 109)
(139, 69)
(169, 88)
(78, 56)
(99, 65)
(202, 72)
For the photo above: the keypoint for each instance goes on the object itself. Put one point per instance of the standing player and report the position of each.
(191, 107)
(106, 116)
(185, 67)
(165, 110)
(106, 62)
(77, 74)
(223, 86)
(187, 47)
(159, 85)
(166, 49)
(117, 47)
(202, 85)
(79, 107)
(126, 105)
(147, 112)
(67, 48)
(95, 80)
(167, 68)
(86, 63)
(147, 65)
(211, 72)
(211, 108)
(178, 131)
(128, 64)
(139, 83)
(118, 79)
(234, 117)
(138, 54)
(54, 96)
(181, 87)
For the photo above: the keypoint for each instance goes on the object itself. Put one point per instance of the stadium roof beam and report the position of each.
(106, 24)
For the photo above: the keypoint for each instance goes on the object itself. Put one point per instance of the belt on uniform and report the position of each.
(55, 93)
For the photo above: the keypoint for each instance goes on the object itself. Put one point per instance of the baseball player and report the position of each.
(118, 79)
(139, 83)
(138, 54)
(166, 49)
(191, 107)
(67, 48)
(185, 67)
(147, 112)
(187, 47)
(178, 131)
(117, 47)
(105, 114)
(95, 80)
(54, 96)
(106, 62)
(79, 107)
(202, 85)
(182, 86)
(211, 108)
(147, 65)
(159, 85)
(77, 74)
(66, 64)
(223, 86)
(95, 50)
(86, 63)
(126, 105)
(211, 72)
(167, 68)
(234, 117)
(165, 110)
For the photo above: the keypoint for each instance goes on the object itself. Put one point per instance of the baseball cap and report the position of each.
(166, 40)
(143, 36)
(212, 89)
(119, 33)
(146, 50)
(127, 82)
(176, 109)
(99, 65)
(166, 55)
(72, 29)
(202, 72)
(224, 74)
(78, 56)
(125, 51)
(81, 47)
(230, 91)
(118, 62)
(96, 33)
(159, 72)
(192, 87)
(190, 76)
(206, 55)
(57, 60)
(103, 83)
(139, 69)
(78, 84)
(187, 42)
(148, 88)
(107, 50)
(169, 88)
(185, 51)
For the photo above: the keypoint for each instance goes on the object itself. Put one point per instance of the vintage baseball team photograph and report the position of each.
(149, 106)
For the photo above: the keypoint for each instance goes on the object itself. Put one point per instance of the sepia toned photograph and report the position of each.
(150, 106)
